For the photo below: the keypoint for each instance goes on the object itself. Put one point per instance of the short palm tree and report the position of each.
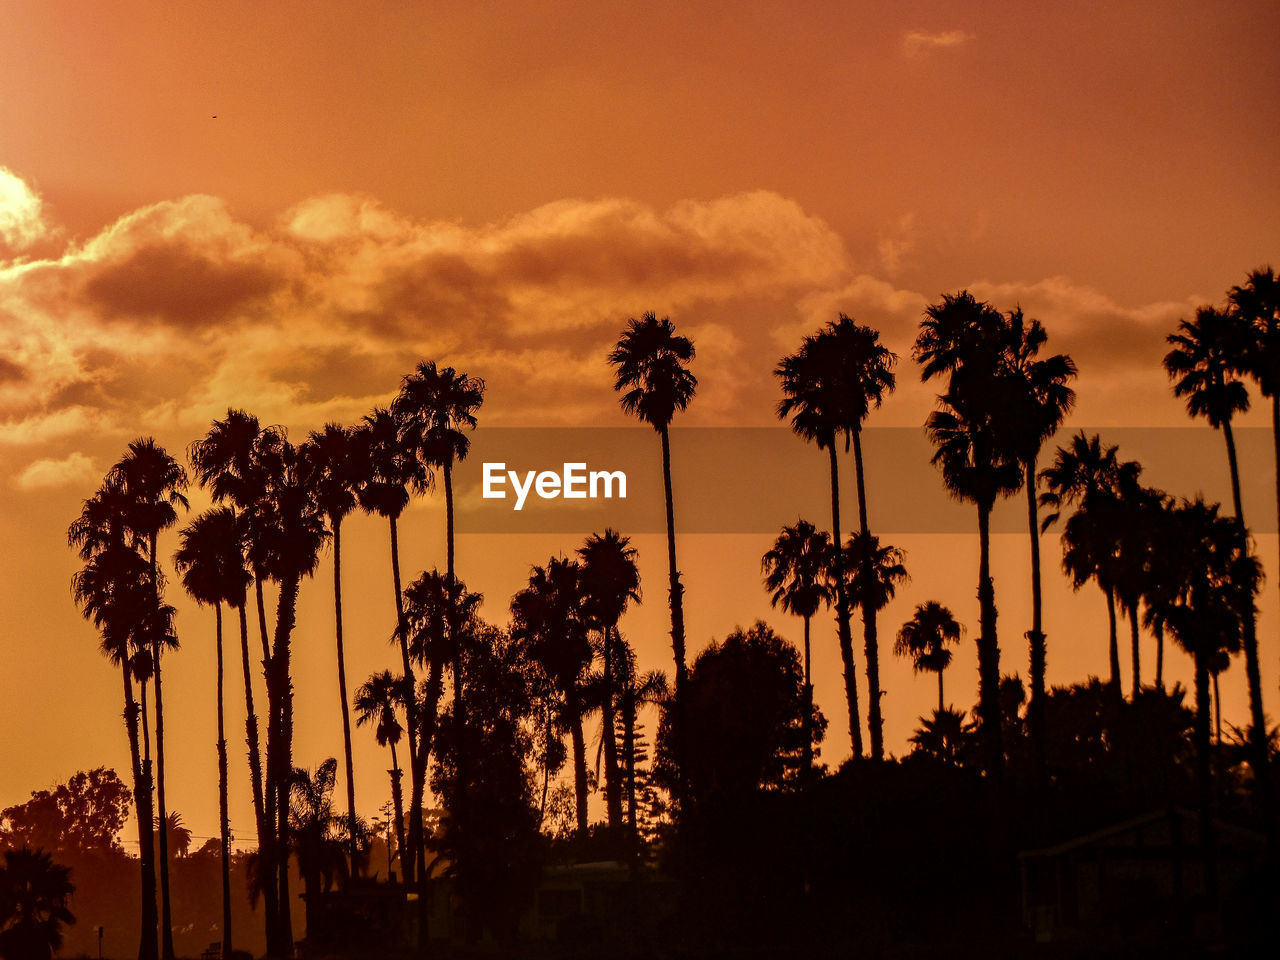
(317, 835)
(34, 897)
(610, 582)
(212, 569)
(376, 703)
(651, 363)
(924, 639)
(797, 572)
(1206, 353)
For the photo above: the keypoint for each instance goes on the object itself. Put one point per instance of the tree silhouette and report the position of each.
(213, 573)
(335, 467)
(797, 573)
(651, 363)
(376, 702)
(34, 893)
(610, 583)
(1206, 353)
(924, 639)
(317, 835)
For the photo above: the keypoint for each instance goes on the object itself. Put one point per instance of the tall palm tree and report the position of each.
(111, 589)
(289, 532)
(610, 582)
(154, 483)
(651, 365)
(811, 398)
(212, 569)
(874, 574)
(34, 897)
(392, 473)
(1206, 353)
(863, 376)
(1042, 404)
(376, 702)
(924, 639)
(232, 462)
(547, 618)
(1135, 543)
(1086, 475)
(335, 468)
(797, 574)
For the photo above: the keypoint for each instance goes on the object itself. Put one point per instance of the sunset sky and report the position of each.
(284, 207)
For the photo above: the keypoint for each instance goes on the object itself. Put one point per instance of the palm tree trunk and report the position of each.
(223, 820)
(875, 721)
(629, 753)
(417, 758)
(267, 839)
(675, 592)
(988, 651)
(1113, 644)
(255, 768)
(1204, 777)
(166, 918)
(352, 844)
(940, 707)
(1258, 727)
(612, 788)
(1035, 636)
(807, 758)
(397, 803)
(1132, 604)
(574, 707)
(1217, 712)
(842, 609)
(286, 612)
(142, 807)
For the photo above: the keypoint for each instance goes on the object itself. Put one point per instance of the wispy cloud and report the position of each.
(918, 42)
(21, 213)
(43, 474)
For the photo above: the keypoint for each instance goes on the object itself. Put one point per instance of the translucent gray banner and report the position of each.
(756, 479)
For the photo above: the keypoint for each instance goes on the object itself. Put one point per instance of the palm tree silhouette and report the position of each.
(111, 589)
(1043, 403)
(547, 619)
(1206, 353)
(335, 468)
(316, 834)
(924, 639)
(153, 483)
(610, 582)
(376, 702)
(34, 893)
(797, 573)
(212, 569)
(232, 462)
(874, 573)
(392, 472)
(651, 362)
(811, 398)
(1086, 475)
(863, 372)
(635, 691)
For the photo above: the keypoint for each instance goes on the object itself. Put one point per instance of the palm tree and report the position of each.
(212, 569)
(233, 462)
(392, 472)
(863, 375)
(316, 834)
(1206, 353)
(153, 482)
(943, 736)
(874, 574)
(651, 362)
(335, 468)
(111, 589)
(1135, 544)
(810, 397)
(547, 619)
(610, 582)
(376, 702)
(1045, 399)
(924, 639)
(635, 691)
(797, 574)
(34, 892)
(1086, 475)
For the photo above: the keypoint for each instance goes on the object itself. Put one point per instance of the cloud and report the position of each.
(21, 212)
(919, 42)
(42, 474)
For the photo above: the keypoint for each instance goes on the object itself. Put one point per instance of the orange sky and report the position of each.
(499, 191)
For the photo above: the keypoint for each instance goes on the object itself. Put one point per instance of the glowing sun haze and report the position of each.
(283, 208)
